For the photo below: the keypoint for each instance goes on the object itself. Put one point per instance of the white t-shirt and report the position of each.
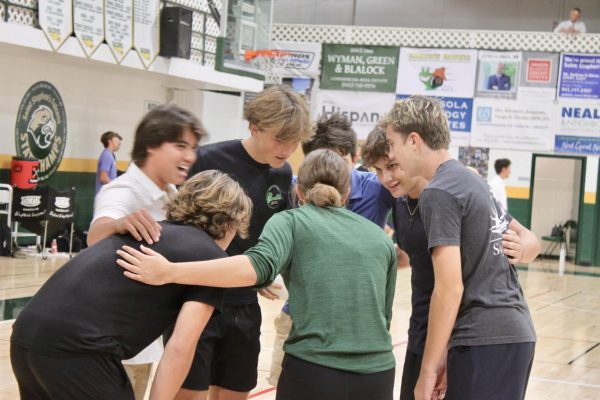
(578, 25)
(499, 190)
(126, 194)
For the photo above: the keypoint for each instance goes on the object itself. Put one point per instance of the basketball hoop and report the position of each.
(271, 62)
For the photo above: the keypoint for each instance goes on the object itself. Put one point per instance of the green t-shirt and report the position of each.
(340, 271)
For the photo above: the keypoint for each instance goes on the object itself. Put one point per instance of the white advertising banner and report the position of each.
(302, 59)
(362, 109)
(88, 21)
(146, 21)
(56, 20)
(437, 72)
(538, 76)
(579, 128)
(505, 124)
(498, 74)
(118, 15)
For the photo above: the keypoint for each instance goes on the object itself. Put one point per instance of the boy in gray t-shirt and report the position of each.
(477, 309)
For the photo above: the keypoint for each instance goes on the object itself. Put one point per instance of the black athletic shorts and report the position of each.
(302, 380)
(94, 377)
(494, 372)
(227, 353)
(410, 375)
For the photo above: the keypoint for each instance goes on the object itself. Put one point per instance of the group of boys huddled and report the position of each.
(181, 242)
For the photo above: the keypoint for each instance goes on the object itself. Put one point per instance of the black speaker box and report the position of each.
(175, 32)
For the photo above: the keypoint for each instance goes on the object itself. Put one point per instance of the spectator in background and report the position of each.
(502, 167)
(573, 24)
(107, 163)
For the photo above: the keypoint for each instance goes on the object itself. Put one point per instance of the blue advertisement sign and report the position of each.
(577, 144)
(579, 76)
(458, 110)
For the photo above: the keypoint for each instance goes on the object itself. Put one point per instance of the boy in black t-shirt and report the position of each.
(477, 308)
(519, 245)
(226, 359)
(68, 342)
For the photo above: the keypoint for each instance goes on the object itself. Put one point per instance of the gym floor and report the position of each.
(565, 309)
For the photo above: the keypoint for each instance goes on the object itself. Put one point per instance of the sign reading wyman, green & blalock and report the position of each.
(359, 68)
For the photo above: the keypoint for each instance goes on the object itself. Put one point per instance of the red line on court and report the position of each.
(272, 388)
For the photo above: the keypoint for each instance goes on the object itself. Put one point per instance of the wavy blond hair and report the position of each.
(212, 201)
(423, 115)
(324, 178)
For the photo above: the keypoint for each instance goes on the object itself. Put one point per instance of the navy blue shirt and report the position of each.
(411, 238)
(369, 198)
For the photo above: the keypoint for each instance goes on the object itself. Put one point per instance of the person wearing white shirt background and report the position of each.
(502, 167)
(573, 24)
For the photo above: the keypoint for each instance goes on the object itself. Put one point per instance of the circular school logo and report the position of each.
(274, 197)
(41, 128)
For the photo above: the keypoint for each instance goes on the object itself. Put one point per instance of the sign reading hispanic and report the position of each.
(498, 74)
(56, 20)
(459, 112)
(146, 22)
(579, 76)
(579, 128)
(41, 128)
(302, 59)
(362, 109)
(359, 68)
(437, 72)
(118, 17)
(509, 124)
(538, 76)
(88, 20)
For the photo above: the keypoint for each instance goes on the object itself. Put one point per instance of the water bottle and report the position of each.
(53, 247)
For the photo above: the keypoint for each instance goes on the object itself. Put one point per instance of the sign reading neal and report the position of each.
(360, 68)
(118, 16)
(88, 17)
(41, 128)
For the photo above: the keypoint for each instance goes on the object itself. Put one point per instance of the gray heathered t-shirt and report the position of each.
(458, 209)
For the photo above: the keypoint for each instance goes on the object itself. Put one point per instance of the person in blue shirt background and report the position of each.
(107, 163)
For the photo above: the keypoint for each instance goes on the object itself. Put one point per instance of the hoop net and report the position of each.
(271, 62)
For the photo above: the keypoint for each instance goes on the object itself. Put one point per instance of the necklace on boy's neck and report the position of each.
(413, 212)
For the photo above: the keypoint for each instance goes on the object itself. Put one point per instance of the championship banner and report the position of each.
(498, 74)
(538, 77)
(56, 20)
(146, 35)
(88, 22)
(579, 127)
(459, 112)
(359, 68)
(437, 72)
(506, 124)
(362, 109)
(579, 76)
(303, 59)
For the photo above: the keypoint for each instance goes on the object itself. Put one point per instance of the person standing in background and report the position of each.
(107, 163)
(502, 167)
(573, 24)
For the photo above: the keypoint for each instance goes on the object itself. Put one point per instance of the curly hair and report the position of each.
(334, 133)
(212, 201)
(375, 148)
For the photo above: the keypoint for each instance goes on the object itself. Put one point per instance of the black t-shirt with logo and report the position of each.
(267, 188)
(89, 306)
(410, 237)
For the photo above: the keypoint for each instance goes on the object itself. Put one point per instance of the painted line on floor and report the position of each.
(584, 353)
(272, 388)
(588, 385)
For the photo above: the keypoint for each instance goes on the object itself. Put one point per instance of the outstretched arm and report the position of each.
(139, 224)
(151, 268)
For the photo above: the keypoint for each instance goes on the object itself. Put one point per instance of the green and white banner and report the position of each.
(359, 68)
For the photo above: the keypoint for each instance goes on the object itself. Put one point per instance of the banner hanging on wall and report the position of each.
(118, 17)
(505, 124)
(88, 22)
(56, 20)
(538, 77)
(579, 76)
(362, 109)
(146, 39)
(359, 68)
(498, 74)
(303, 59)
(579, 127)
(41, 128)
(437, 72)
(459, 112)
